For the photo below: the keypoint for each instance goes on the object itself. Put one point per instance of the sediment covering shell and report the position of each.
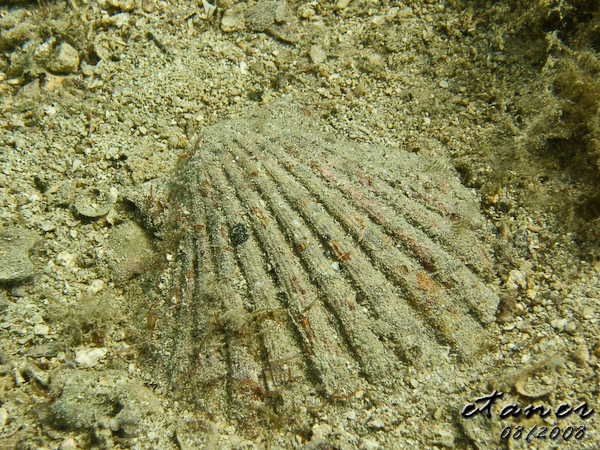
(307, 264)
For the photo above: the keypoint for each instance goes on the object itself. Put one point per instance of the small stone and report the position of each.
(372, 63)
(233, 19)
(15, 243)
(148, 6)
(89, 357)
(570, 327)
(3, 417)
(342, 4)
(76, 164)
(41, 329)
(32, 371)
(581, 355)
(45, 350)
(209, 9)
(152, 436)
(516, 279)
(392, 13)
(66, 259)
(68, 444)
(560, 324)
(321, 431)
(588, 313)
(131, 250)
(414, 383)
(20, 143)
(368, 444)
(17, 377)
(318, 54)
(87, 69)
(47, 225)
(443, 436)
(306, 11)
(239, 234)
(536, 387)
(96, 286)
(66, 59)
(376, 423)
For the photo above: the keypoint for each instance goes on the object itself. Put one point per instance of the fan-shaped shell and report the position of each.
(306, 264)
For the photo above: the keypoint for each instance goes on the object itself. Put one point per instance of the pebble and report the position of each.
(588, 313)
(318, 54)
(376, 423)
(66, 259)
(41, 329)
(372, 63)
(68, 444)
(559, 324)
(131, 249)
(66, 59)
(15, 243)
(32, 371)
(260, 16)
(3, 417)
(233, 19)
(581, 355)
(96, 286)
(368, 444)
(45, 350)
(342, 4)
(47, 225)
(516, 279)
(321, 431)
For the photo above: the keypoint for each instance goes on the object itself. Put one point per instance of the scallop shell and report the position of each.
(304, 268)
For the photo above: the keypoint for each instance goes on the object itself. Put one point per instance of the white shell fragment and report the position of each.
(89, 357)
(209, 9)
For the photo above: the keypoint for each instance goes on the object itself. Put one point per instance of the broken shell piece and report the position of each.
(89, 357)
(209, 9)
(536, 385)
(260, 16)
(95, 202)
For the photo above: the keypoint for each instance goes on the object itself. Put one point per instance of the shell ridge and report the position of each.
(388, 207)
(316, 333)
(330, 283)
(410, 334)
(439, 310)
(243, 372)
